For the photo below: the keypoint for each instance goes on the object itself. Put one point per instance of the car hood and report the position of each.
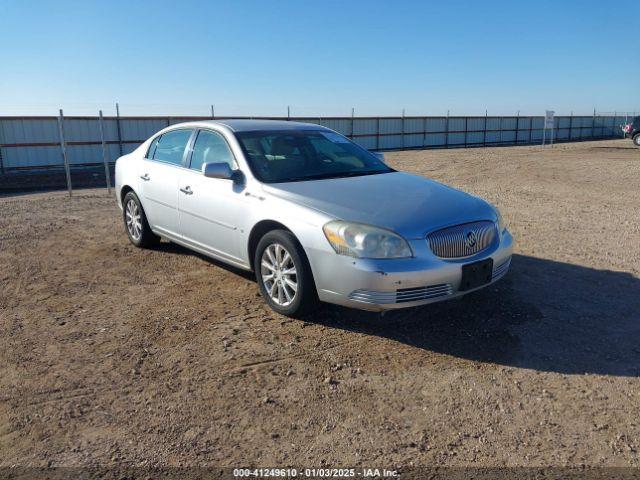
(407, 204)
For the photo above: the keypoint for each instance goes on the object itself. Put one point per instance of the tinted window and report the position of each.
(210, 147)
(152, 147)
(306, 155)
(171, 145)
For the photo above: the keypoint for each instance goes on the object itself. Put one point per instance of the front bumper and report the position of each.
(379, 285)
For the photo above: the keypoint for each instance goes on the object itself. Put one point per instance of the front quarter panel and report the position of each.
(304, 222)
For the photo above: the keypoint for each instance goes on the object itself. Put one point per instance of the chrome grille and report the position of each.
(462, 240)
(402, 295)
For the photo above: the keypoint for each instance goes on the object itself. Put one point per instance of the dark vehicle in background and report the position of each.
(632, 130)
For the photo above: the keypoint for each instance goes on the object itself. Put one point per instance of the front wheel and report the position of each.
(283, 274)
(636, 140)
(135, 222)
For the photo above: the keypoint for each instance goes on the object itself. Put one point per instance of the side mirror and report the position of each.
(221, 170)
(379, 156)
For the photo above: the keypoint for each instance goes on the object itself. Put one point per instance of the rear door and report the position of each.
(159, 180)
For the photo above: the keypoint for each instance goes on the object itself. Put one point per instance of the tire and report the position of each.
(139, 232)
(281, 252)
(636, 139)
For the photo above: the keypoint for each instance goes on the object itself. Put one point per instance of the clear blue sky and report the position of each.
(319, 57)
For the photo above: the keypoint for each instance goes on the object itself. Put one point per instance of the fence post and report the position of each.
(119, 130)
(484, 135)
(446, 131)
(466, 122)
(517, 126)
(530, 128)
(63, 150)
(105, 153)
(378, 133)
(402, 130)
(288, 112)
(571, 126)
(424, 132)
(500, 130)
(1, 159)
(213, 113)
(352, 114)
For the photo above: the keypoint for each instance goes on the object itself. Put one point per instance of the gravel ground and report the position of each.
(114, 355)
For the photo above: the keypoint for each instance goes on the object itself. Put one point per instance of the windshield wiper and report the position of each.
(325, 176)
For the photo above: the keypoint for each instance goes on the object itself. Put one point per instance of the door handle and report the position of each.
(187, 191)
(145, 177)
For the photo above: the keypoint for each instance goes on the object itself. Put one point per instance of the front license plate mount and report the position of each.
(476, 274)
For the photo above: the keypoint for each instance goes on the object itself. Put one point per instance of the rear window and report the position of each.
(170, 147)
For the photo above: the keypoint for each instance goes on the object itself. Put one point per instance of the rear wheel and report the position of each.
(283, 274)
(135, 222)
(636, 140)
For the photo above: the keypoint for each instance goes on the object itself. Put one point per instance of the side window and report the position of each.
(170, 146)
(152, 148)
(210, 147)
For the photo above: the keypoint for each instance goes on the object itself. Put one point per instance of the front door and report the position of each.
(211, 210)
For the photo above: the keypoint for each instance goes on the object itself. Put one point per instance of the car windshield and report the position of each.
(286, 156)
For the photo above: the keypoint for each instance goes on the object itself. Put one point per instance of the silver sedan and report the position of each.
(314, 215)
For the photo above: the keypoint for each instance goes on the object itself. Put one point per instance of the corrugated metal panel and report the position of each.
(475, 124)
(390, 141)
(413, 140)
(44, 130)
(31, 157)
(434, 139)
(29, 131)
(508, 136)
(509, 123)
(366, 142)
(456, 124)
(475, 138)
(493, 123)
(413, 125)
(436, 124)
(390, 125)
(365, 126)
(493, 137)
(537, 122)
(140, 130)
(456, 138)
(342, 125)
(537, 135)
(523, 136)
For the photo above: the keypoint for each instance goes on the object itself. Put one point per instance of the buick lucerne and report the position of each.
(314, 215)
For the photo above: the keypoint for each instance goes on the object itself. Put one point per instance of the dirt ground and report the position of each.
(114, 355)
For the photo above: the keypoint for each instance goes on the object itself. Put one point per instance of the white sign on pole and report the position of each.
(548, 124)
(548, 119)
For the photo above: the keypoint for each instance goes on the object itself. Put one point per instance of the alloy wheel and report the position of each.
(133, 220)
(279, 275)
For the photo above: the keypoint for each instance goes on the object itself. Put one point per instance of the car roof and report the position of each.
(246, 125)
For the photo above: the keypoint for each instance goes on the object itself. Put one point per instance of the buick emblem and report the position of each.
(470, 239)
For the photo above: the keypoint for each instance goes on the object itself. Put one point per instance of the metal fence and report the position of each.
(30, 144)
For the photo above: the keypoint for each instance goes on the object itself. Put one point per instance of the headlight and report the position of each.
(364, 241)
(500, 222)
